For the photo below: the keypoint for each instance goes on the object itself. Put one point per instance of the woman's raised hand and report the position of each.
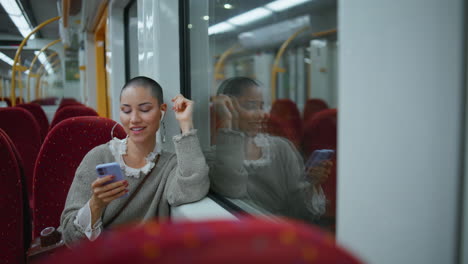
(226, 114)
(183, 109)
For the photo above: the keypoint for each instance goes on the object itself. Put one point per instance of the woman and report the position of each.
(165, 178)
(255, 167)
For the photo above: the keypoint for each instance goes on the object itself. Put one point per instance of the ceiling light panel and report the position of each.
(17, 16)
(6, 59)
(281, 5)
(220, 28)
(250, 16)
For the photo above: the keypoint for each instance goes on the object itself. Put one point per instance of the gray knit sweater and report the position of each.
(177, 179)
(276, 182)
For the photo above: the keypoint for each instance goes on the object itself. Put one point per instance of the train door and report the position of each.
(102, 61)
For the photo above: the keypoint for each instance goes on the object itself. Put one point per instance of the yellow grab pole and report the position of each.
(324, 33)
(54, 63)
(38, 80)
(18, 52)
(276, 69)
(37, 56)
(20, 87)
(220, 63)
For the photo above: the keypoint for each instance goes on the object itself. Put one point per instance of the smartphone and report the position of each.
(318, 156)
(112, 168)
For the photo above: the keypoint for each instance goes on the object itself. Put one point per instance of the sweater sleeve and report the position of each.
(227, 172)
(78, 196)
(188, 180)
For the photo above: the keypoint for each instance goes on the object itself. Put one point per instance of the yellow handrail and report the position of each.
(220, 63)
(276, 69)
(20, 87)
(35, 59)
(18, 52)
(51, 65)
(324, 33)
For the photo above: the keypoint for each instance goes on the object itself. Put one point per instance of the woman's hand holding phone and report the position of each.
(106, 188)
(104, 193)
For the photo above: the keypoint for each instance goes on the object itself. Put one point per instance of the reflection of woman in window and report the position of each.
(257, 167)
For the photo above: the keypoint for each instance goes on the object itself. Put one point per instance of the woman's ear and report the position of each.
(163, 109)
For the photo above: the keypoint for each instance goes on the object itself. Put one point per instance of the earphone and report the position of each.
(162, 116)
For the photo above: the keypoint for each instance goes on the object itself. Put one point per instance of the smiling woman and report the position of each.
(154, 178)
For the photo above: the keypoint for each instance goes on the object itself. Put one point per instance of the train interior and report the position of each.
(352, 114)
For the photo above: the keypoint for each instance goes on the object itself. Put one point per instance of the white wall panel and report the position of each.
(400, 105)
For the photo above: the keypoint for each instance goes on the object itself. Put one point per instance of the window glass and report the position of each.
(270, 69)
(131, 40)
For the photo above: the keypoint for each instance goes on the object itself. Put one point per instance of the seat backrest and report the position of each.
(11, 201)
(61, 153)
(21, 126)
(278, 127)
(285, 112)
(41, 118)
(68, 101)
(250, 240)
(320, 132)
(71, 111)
(313, 106)
(27, 212)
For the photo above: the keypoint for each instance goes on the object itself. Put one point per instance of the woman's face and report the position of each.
(251, 115)
(140, 114)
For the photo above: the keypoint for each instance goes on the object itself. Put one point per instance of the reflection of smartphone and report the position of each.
(318, 156)
(112, 168)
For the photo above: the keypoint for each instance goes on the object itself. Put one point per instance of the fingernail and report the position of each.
(112, 177)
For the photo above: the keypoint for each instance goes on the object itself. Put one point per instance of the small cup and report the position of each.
(49, 236)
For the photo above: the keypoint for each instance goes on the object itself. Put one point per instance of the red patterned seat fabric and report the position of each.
(22, 128)
(61, 153)
(27, 220)
(71, 111)
(39, 114)
(11, 205)
(249, 240)
(312, 107)
(284, 112)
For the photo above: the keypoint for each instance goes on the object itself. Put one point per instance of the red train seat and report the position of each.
(284, 113)
(71, 111)
(61, 153)
(313, 106)
(11, 205)
(41, 118)
(249, 240)
(21, 126)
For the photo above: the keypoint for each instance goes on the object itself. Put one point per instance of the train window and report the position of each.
(270, 71)
(131, 43)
